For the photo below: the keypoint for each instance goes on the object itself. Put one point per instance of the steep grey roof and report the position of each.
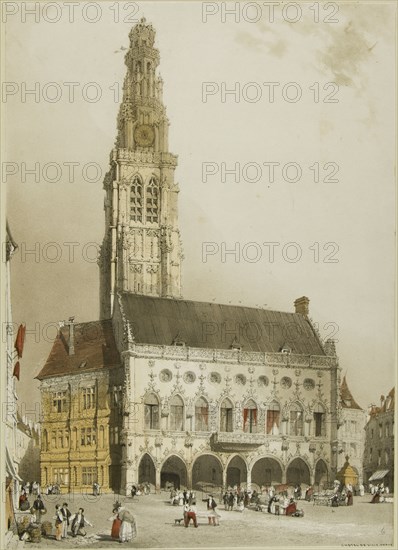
(165, 321)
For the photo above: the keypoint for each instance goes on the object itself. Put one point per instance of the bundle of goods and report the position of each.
(46, 528)
(34, 531)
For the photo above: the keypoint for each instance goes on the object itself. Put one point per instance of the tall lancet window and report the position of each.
(152, 201)
(273, 417)
(226, 413)
(319, 421)
(296, 419)
(250, 417)
(151, 412)
(201, 415)
(136, 200)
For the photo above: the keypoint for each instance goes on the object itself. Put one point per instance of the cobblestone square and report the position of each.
(362, 524)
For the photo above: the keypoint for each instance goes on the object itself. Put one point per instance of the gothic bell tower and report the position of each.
(141, 251)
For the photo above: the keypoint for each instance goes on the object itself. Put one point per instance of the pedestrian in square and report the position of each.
(79, 522)
(190, 514)
(65, 523)
(128, 528)
(116, 521)
(39, 508)
(59, 519)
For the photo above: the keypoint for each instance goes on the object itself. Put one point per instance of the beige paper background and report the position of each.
(358, 133)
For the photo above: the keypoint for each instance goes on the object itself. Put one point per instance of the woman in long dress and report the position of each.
(128, 529)
(116, 523)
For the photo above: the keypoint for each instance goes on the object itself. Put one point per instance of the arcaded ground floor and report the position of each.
(361, 524)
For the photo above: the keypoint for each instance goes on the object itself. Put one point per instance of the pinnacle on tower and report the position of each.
(141, 252)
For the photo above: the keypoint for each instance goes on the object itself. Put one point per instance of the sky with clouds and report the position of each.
(330, 122)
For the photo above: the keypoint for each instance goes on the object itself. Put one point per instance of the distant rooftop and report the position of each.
(387, 404)
(347, 400)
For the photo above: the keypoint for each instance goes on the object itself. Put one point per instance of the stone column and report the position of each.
(157, 480)
(189, 475)
(224, 478)
(249, 479)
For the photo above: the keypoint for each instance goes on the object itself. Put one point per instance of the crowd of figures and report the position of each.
(64, 521)
(379, 492)
(238, 500)
(343, 495)
(275, 502)
(27, 490)
(180, 498)
(66, 524)
(142, 489)
(187, 499)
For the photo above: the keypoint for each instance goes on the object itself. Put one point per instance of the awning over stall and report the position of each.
(380, 474)
(10, 469)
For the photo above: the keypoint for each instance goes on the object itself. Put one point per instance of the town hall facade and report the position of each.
(172, 391)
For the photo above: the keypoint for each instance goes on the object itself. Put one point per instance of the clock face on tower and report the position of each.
(144, 135)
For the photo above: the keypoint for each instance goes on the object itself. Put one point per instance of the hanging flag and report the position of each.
(17, 369)
(20, 339)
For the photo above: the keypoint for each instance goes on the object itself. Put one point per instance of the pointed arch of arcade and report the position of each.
(267, 471)
(236, 471)
(322, 477)
(147, 470)
(207, 468)
(298, 471)
(174, 472)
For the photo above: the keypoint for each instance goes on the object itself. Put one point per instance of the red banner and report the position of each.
(20, 339)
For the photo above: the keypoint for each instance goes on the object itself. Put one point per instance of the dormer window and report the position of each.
(236, 345)
(286, 349)
(178, 341)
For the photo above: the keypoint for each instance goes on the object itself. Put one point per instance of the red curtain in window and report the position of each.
(204, 411)
(245, 415)
(270, 421)
(255, 416)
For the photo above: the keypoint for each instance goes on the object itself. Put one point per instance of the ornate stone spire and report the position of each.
(142, 94)
(141, 251)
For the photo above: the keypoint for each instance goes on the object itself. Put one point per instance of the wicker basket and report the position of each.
(35, 533)
(22, 524)
(46, 528)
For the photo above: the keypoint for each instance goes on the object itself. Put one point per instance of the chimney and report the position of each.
(71, 336)
(301, 305)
